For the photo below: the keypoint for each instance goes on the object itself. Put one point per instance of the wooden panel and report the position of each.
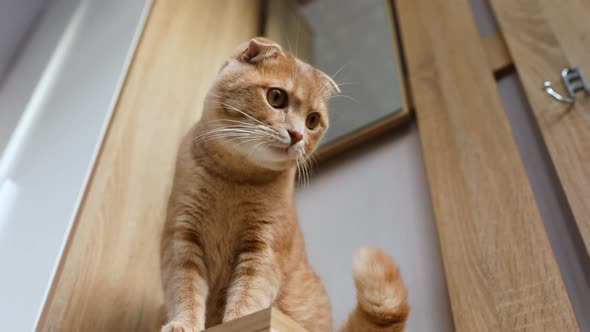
(109, 277)
(500, 268)
(263, 321)
(499, 57)
(544, 37)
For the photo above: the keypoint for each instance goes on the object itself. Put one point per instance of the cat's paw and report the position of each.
(179, 327)
(235, 313)
(231, 315)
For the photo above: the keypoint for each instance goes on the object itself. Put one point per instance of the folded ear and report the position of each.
(260, 49)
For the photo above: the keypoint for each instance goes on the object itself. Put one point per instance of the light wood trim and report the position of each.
(401, 66)
(263, 321)
(362, 135)
(558, 38)
(109, 276)
(500, 268)
(499, 57)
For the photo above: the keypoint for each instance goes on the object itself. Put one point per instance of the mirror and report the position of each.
(355, 43)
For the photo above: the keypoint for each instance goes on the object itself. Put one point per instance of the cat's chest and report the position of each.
(226, 225)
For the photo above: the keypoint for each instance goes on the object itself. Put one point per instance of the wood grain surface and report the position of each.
(500, 268)
(109, 277)
(497, 52)
(263, 321)
(544, 36)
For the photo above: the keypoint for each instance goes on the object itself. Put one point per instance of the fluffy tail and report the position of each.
(382, 297)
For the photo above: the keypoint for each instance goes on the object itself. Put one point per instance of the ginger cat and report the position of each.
(232, 244)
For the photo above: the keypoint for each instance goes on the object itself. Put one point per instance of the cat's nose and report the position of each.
(295, 135)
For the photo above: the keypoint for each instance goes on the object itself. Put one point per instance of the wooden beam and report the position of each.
(109, 276)
(544, 37)
(499, 57)
(500, 268)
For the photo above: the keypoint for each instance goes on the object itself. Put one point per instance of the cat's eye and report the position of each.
(312, 120)
(277, 98)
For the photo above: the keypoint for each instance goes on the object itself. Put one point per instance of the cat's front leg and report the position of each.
(256, 282)
(185, 285)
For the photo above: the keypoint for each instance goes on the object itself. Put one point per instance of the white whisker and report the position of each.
(210, 132)
(297, 42)
(235, 108)
(306, 172)
(345, 83)
(323, 92)
(329, 93)
(221, 136)
(299, 175)
(250, 126)
(344, 96)
(246, 141)
(336, 73)
(253, 149)
(308, 160)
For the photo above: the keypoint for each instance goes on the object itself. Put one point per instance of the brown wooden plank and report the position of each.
(109, 277)
(499, 57)
(500, 268)
(544, 37)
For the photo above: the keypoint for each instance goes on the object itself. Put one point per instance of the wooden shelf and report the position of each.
(266, 320)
